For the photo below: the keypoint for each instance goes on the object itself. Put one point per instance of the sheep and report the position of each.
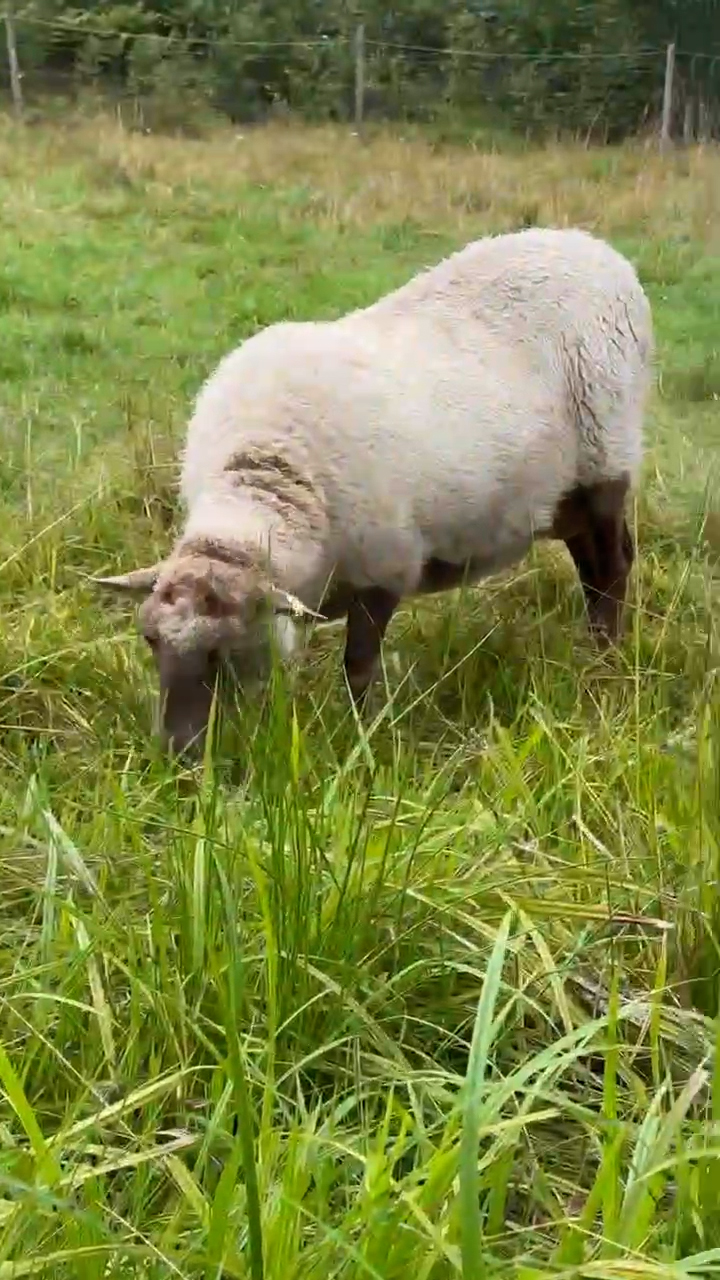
(333, 468)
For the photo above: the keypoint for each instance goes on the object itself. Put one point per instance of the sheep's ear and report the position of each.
(134, 583)
(284, 602)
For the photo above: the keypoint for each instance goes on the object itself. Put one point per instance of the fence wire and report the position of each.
(172, 82)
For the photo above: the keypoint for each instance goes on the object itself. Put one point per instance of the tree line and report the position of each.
(596, 68)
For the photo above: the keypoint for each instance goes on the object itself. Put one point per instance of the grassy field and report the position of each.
(431, 1000)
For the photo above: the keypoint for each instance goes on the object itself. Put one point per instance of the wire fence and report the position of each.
(171, 83)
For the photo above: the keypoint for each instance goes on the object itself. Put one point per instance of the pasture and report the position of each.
(436, 997)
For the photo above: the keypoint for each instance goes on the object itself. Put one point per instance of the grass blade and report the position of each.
(471, 1223)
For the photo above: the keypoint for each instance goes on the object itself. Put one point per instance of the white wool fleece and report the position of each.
(446, 420)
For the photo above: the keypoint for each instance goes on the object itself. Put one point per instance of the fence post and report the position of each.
(689, 120)
(15, 76)
(665, 132)
(359, 75)
(703, 121)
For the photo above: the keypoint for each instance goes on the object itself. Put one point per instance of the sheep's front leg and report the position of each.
(369, 613)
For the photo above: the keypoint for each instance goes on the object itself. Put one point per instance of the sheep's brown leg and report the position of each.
(369, 613)
(602, 547)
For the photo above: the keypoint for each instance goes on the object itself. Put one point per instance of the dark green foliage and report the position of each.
(594, 68)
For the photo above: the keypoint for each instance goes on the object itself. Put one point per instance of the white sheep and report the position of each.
(404, 448)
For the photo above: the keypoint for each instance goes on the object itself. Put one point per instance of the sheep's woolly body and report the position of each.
(446, 420)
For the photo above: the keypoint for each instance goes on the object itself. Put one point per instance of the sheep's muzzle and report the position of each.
(187, 684)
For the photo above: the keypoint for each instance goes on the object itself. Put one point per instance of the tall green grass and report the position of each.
(433, 995)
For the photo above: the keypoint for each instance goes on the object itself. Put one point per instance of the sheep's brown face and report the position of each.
(200, 616)
(203, 615)
(187, 685)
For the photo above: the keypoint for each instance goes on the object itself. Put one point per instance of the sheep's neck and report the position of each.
(250, 528)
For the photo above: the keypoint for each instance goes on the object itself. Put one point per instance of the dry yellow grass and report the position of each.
(351, 181)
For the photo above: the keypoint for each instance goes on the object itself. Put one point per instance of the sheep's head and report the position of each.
(200, 614)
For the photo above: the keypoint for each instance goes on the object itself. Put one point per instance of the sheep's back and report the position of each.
(406, 425)
(576, 311)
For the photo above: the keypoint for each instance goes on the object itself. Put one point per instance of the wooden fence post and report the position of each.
(704, 123)
(689, 120)
(15, 75)
(359, 76)
(666, 128)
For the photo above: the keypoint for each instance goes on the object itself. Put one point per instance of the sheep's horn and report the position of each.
(136, 580)
(286, 602)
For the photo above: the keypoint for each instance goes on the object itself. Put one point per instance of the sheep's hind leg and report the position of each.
(369, 613)
(602, 548)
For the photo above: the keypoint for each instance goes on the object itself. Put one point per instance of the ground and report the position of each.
(238, 1009)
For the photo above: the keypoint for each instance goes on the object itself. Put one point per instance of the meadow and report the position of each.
(432, 996)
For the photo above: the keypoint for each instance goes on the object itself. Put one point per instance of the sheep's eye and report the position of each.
(153, 642)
